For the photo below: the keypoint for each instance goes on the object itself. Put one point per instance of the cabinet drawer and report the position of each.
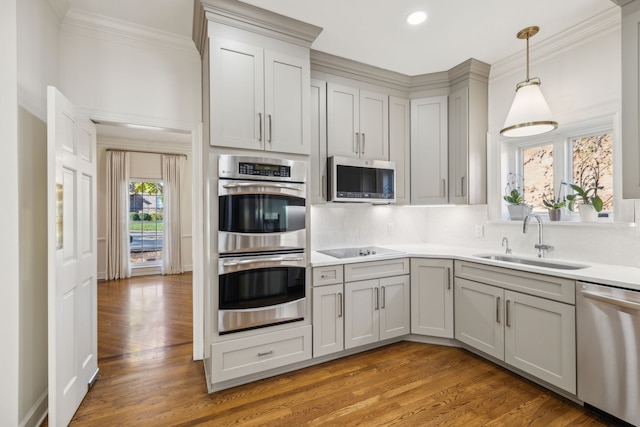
(376, 269)
(245, 356)
(329, 275)
(550, 287)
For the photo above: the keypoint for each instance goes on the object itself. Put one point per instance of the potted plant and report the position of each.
(514, 196)
(585, 192)
(554, 205)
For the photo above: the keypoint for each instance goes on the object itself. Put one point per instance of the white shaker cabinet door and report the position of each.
(432, 297)
(361, 310)
(328, 319)
(540, 338)
(343, 120)
(395, 307)
(374, 125)
(237, 95)
(479, 316)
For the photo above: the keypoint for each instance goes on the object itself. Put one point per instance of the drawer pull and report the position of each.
(265, 353)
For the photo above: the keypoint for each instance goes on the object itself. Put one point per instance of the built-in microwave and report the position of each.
(361, 180)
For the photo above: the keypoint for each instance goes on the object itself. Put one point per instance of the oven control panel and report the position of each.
(261, 169)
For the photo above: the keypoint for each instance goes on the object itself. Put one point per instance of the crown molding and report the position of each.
(251, 18)
(327, 63)
(471, 69)
(622, 2)
(95, 25)
(603, 23)
(60, 8)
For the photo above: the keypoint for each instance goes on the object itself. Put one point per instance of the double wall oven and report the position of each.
(261, 242)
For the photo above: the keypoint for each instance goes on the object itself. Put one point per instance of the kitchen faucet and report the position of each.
(506, 241)
(540, 246)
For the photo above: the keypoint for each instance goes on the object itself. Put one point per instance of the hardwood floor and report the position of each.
(147, 377)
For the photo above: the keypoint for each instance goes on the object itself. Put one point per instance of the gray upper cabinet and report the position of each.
(259, 98)
(256, 76)
(317, 191)
(630, 99)
(399, 146)
(429, 156)
(468, 124)
(357, 123)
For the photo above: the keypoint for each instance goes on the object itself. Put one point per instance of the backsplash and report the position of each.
(347, 225)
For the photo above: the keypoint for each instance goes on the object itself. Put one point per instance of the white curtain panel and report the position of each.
(118, 258)
(172, 240)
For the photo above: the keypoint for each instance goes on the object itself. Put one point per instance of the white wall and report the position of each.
(144, 166)
(133, 74)
(9, 297)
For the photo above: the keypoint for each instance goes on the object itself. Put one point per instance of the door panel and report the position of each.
(395, 313)
(361, 311)
(72, 310)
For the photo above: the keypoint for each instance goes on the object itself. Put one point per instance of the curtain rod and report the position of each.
(147, 152)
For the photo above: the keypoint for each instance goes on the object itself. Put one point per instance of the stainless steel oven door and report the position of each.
(260, 291)
(258, 216)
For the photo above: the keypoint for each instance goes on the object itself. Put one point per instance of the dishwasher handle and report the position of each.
(611, 300)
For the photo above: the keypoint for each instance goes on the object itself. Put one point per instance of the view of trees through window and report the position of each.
(590, 165)
(146, 209)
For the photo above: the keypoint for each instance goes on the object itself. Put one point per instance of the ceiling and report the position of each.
(375, 32)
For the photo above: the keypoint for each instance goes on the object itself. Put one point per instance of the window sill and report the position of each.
(604, 222)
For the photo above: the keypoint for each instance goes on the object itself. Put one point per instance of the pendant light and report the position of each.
(529, 113)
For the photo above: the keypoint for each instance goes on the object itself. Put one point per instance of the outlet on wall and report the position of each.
(390, 227)
(479, 230)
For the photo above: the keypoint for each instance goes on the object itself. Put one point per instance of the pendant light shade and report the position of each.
(529, 113)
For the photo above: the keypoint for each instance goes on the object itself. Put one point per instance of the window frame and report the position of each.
(561, 139)
(157, 261)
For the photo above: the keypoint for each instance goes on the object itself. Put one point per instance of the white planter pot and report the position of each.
(518, 212)
(587, 213)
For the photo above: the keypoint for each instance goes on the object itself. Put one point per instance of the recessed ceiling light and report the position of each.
(417, 17)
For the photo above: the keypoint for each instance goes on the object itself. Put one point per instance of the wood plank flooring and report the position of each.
(148, 378)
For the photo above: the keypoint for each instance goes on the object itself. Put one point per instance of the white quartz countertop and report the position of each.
(612, 275)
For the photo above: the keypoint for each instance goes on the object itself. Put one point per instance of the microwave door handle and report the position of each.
(255, 261)
(261, 184)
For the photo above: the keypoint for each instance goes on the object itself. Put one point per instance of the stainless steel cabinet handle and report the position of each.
(498, 310)
(356, 143)
(384, 297)
(254, 261)
(616, 301)
(444, 188)
(270, 127)
(339, 304)
(265, 353)
(260, 126)
(507, 320)
(377, 307)
(462, 186)
(363, 142)
(448, 278)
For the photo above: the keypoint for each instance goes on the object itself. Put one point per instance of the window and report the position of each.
(581, 155)
(145, 221)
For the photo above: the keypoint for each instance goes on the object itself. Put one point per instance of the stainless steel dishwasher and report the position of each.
(608, 339)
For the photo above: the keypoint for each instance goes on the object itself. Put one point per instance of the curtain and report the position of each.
(172, 239)
(118, 261)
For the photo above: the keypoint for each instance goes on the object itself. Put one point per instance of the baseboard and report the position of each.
(38, 412)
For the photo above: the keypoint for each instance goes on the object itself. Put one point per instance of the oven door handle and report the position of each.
(261, 260)
(262, 184)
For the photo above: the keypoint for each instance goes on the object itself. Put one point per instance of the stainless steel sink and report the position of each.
(531, 261)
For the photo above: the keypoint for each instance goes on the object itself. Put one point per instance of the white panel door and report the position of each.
(432, 297)
(237, 95)
(328, 319)
(71, 217)
(374, 125)
(429, 156)
(395, 307)
(361, 313)
(479, 316)
(343, 120)
(399, 146)
(458, 146)
(286, 85)
(540, 338)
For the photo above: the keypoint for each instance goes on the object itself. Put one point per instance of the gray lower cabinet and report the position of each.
(432, 297)
(376, 310)
(328, 319)
(533, 334)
